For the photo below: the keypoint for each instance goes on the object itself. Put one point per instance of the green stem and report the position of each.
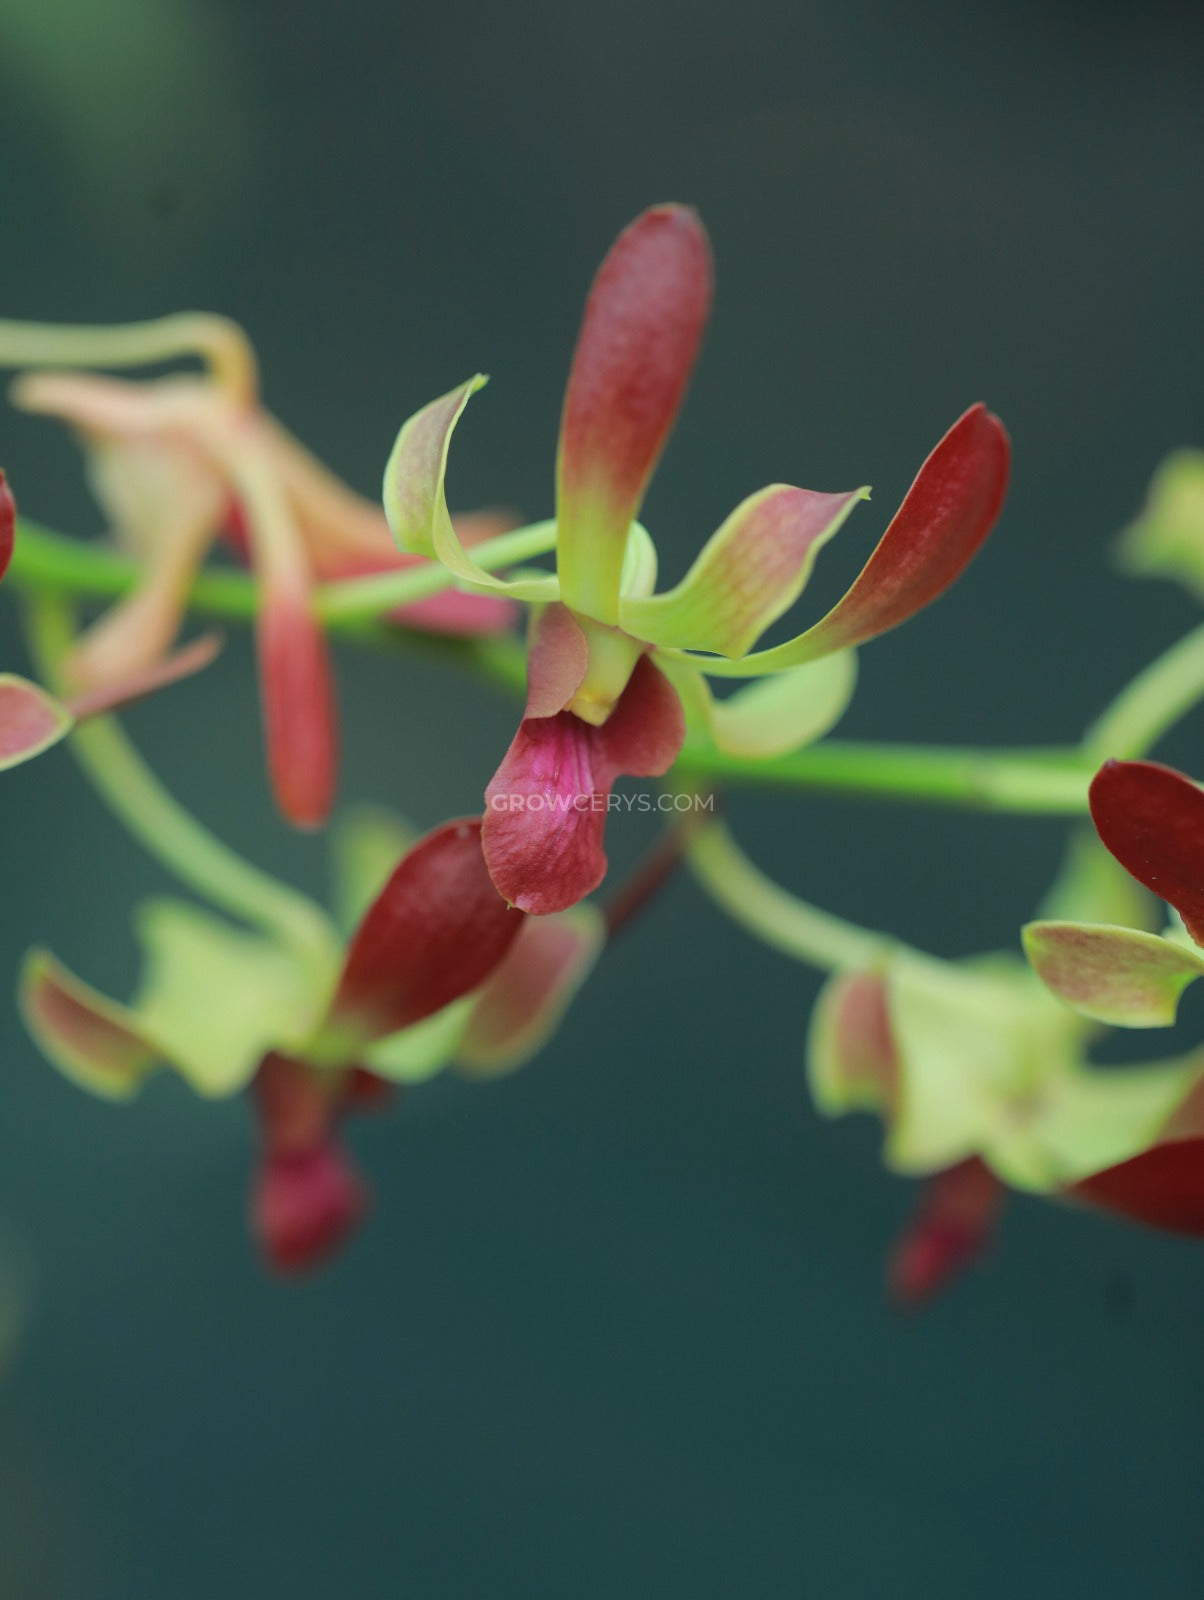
(160, 824)
(773, 915)
(1049, 782)
(1151, 704)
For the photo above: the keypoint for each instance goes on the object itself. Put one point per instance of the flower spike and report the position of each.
(1152, 819)
(643, 324)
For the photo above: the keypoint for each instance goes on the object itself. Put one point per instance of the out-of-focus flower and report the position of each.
(1166, 540)
(436, 969)
(31, 720)
(1152, 820)
(611, 662)
(177, 461)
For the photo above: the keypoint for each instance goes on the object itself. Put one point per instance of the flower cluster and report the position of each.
(463, 948)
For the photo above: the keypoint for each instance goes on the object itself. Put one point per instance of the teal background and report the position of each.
(618, 1325)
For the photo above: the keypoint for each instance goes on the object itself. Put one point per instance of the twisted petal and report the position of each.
(416, 505)
(947, 513)
(546, 804)
(8, 523)
(436, 930)
(183, 663)
(785, 712)
(1152, 819)
(1120, 976)
(522, 1004)
(747, 575)
(30, 720)
(95, 1042)
(643, 324)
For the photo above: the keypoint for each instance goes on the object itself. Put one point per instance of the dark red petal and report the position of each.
(639, 338)
(546, 806)
(950, 1231)
(8, 523)
(644, 733)
(304, 1206)
(299, 710)
(1152, 819)
(557, 661)
(1162, 1187)
(436, 930)
(947, 513)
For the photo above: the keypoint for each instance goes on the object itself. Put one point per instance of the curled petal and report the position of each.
(949, 1232)
(8, 523)
(93, 1041)
(747, 575)
(1120, 976)
(436, 930)
(299, 710)
(30, 720)
(557, 661)
(1152, 819)
(521, 1005)
(416, 505)
(643, 324)
(546, 805)
(947, 513)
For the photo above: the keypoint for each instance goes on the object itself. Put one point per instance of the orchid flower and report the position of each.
(425, 966)
(31, 720)
(177, 461)
(614, 668)
(1152, 820)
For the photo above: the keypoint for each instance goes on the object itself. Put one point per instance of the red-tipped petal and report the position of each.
(8, 523)
(1152, 819)
(299, 710)
(1162, 1187)
(947, 513)
(546, 806)
(643, 323)
(557, 661)
(30, 720)
(181, 664)
(436, 930)
(950, 1231)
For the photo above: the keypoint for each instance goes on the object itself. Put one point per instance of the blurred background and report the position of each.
(618, 1324)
